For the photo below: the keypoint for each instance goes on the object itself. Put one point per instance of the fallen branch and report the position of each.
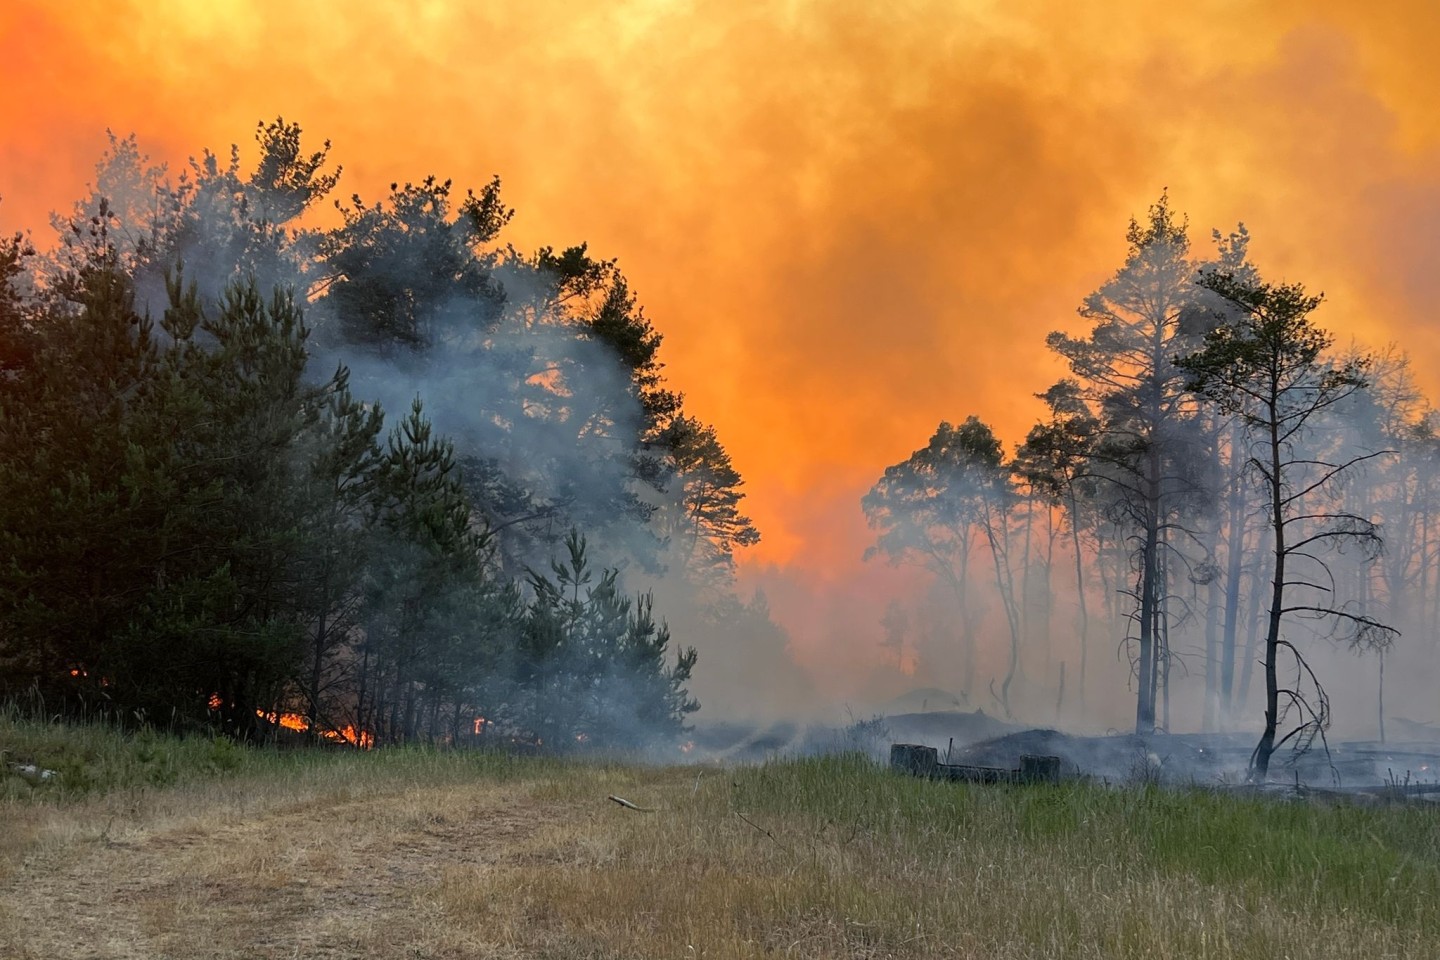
(628, 805)
(764, 831)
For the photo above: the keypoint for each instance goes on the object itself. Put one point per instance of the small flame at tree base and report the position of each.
(300, 724)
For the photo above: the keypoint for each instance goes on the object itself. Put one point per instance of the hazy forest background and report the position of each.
(391, 479)
(1220, 498)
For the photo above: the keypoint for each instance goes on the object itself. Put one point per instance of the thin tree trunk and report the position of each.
(1145, 703)
(1259, 577)
(318, 653)
(1022, 611)
(1424, 497)
(456, 728)
(1381, 696)
(1212, 653)
(960, 585)
(1234, 567)
(1060, 697)
(412, 731)
(1047, 599)
(1080, 596)
(1107, 593)
(1005, 581)
(1160, 686)
(1266, 746)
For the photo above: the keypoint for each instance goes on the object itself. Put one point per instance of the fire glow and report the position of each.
(1046, 145)
(298, 723)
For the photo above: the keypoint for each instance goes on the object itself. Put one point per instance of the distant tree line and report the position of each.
(377, 481)
(1218, 480)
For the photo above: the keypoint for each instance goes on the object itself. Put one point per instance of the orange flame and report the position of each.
(290, 721)
(297, 722)
(348, 734)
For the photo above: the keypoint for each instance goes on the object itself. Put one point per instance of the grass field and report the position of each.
(146, 846)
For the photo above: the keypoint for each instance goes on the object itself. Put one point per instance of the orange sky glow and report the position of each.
(850, 220)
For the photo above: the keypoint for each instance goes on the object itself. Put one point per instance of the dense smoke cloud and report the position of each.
(848, 221)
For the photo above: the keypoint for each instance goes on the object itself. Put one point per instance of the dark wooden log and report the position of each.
(914, 758)
(1035, 769)
(971, 774)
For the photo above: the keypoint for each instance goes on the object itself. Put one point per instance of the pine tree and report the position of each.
(1126, 369)
(426, 551)
(1268, 368)
(592, 664)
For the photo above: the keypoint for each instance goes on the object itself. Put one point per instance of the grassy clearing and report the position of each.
(831, 857)
(97, 758)
(432, 855)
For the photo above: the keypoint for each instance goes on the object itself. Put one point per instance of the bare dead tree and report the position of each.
(1267, 366)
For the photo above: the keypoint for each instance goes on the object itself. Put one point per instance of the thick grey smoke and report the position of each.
(543, 417)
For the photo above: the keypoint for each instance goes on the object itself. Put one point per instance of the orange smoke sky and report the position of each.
(850, 219)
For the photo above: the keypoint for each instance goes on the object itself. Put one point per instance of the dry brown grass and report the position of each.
(702, 881)
(252, 868)
(362, 861)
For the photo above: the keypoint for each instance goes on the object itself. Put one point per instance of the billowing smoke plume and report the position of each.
(490, 429)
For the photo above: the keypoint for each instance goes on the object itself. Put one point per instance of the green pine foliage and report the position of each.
(593, 662)
(207, 522)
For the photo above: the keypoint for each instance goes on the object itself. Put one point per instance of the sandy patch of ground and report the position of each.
(351, 879)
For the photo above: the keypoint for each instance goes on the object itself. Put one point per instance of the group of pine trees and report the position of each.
(378, 480)
(1215, 489)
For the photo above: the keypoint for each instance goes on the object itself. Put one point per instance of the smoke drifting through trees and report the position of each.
(401, 502)
(1208, 469)
(391, 564)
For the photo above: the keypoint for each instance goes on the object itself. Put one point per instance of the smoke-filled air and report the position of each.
(588, 377)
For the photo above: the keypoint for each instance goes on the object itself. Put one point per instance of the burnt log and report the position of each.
(1035, 769)
(967, 773)
(913, 758)
(918, 760)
